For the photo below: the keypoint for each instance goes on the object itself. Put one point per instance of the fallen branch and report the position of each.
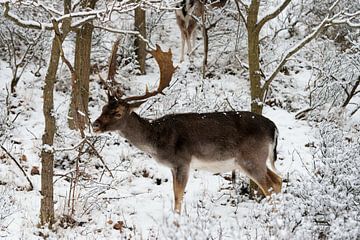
(18, 164)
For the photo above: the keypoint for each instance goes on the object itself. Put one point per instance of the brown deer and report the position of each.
(187, 16)
(216, 141)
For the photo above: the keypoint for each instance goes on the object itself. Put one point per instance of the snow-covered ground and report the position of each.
(140, 195)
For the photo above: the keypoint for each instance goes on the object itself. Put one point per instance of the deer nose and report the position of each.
(96, 126)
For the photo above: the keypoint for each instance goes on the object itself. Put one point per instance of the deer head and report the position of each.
(118, 107)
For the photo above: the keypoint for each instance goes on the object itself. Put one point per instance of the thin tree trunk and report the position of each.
(254, 67)
(47, 155)
(47, 215)
(254, 58)
(206, 43)
(140, 45)
(80, 91)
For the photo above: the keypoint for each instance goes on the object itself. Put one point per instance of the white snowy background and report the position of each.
(318, 155)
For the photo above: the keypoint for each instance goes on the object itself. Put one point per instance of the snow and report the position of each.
(140, 194)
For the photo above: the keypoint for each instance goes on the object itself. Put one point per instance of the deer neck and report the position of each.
(138, 131)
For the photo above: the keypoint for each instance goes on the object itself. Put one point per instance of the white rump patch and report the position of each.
(270, 157)
(214, 166)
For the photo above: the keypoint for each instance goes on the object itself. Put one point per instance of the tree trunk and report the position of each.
(80, 91)
(206, 43)
(47, 215)
(254, 67)
(140, 45)
(254, 58)
(47, 155)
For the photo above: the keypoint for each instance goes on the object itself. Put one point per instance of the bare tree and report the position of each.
(47, 151)
(259, 82)
(20, 49)
(140, 45)
(62, 24)
(80, 91)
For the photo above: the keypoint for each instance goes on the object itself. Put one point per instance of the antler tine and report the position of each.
(112, 88)
(167, 69)
(112, 60)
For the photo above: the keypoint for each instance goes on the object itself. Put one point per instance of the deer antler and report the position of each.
(112, 60)
(113, 88)
(167, 69)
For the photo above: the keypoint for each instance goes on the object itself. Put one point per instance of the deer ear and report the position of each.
(135, 105)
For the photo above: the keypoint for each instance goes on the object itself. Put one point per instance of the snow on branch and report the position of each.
(136, 33)
(272, 15)
(294, 50)
(24, 23)
(37, 4)
(348, 19)
(338, 18)
(86, 16)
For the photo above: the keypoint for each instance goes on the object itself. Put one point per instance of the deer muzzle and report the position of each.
(97, 126)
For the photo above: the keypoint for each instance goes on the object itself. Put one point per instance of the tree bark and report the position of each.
(206, 43)
(140, 45)
(254, 58)
(254, 67)
(47, 155)
(80, 91)
(47, 215)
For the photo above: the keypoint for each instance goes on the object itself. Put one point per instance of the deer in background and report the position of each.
(216, 141)
(187, 17)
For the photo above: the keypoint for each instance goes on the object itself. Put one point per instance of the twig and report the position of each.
(272, 15)
(99, 156)
(18, 164)
(123, 197)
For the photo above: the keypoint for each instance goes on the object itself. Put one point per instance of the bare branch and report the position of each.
(99, 156)
(352, 93)
(64, 59)
(272, 15)
(325, 23)
(86, 15)
(82, 22)
(22, 23)
(136, 33)
(48, 9)
(240, 13)
(348, 19)
(244, 5)
(19, 166)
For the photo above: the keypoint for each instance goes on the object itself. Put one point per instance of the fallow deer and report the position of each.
(216, 141)
(187, 16)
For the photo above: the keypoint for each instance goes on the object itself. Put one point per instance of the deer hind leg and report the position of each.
(188, 42)
(266, 179)
(180, 178)
(191, 35)
(275, 179)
